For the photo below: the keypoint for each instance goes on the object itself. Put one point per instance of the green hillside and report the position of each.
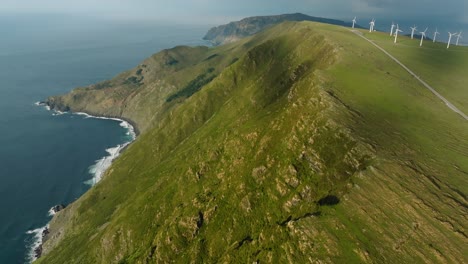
(302, 143)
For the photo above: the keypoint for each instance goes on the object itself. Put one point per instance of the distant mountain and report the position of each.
(249, 26)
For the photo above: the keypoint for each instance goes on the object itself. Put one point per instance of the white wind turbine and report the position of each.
(372, 24)
(396, 33)
(450, 38)
(423, 35)
(435, 35)
(413, 29)
(391, 29)
(458, 37)
(354, 21)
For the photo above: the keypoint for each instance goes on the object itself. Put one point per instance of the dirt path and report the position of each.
(447, 103)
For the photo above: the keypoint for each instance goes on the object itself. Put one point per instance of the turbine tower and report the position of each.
(413, 29)
(450, 38)
(391, 29)
(435, 35)
(372, 24)
(396, 33)
(354, 21)
(423, 35)
(458, 37)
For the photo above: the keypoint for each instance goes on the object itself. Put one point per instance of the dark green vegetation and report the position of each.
(249, 26)
(194, 85)
(312, 145)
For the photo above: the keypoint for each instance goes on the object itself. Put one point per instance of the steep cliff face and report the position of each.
(286, 147)
(249, 26)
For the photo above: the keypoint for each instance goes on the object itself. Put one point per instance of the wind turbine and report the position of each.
(450, 38)
(391, 29)
(396, 33)
(372, 24)
(413, 29)
(458, 37)
(354, 21)
(435, 35)
(423, 35)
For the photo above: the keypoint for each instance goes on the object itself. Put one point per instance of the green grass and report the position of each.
(297, 113)
(442, 68)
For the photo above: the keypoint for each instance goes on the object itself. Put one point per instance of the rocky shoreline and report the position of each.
(46, 233)
(58, 107)
(38, 249)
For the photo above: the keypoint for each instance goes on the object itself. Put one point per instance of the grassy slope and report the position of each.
(444, 69)
(236, 172)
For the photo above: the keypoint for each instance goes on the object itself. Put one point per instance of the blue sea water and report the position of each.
(45, 159)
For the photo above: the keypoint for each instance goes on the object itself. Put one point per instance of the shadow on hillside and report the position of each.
(329, 200)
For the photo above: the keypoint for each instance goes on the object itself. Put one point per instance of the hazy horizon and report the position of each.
(41, 26)
(213, 12)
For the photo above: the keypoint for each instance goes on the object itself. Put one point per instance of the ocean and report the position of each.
(49, 158)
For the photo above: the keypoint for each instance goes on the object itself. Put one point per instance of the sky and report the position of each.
(221, 11)
(446, 15)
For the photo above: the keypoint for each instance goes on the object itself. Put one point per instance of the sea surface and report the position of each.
(49, 158)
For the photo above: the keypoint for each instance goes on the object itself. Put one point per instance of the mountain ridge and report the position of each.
(306, 145)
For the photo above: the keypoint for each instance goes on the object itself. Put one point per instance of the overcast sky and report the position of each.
(218, 11)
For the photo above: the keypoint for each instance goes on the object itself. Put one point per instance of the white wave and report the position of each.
(129, 128)
(42, 104)
(58, 112)
(124, 124)
(34, 243)
(51, 211)
(86, 115)
(98, 169)
(101, 165)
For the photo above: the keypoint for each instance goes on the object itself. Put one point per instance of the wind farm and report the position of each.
(412, 52)
(372, 25)
(391, 29)
(450, 38)
(435, 35)
(423, 35)
(396, 33)
(458, 37)
(413, 29)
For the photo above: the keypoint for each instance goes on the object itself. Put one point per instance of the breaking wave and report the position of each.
(34, 243)
(101, 165)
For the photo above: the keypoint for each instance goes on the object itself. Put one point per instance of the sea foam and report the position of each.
(42, 104)
(101, 165)
(98, 169)
(34, 243)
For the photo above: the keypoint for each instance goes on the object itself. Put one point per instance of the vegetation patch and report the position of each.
(133, 80)
(193, 86)
(211, 57)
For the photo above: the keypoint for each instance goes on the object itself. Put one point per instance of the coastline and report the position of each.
(97, 170)
(100, 167)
